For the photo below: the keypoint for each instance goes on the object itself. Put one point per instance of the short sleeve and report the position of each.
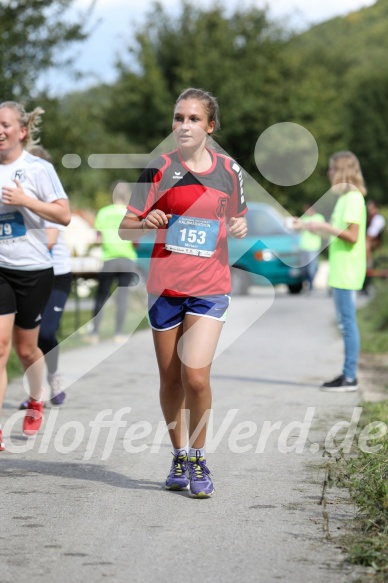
(146, 190)
(49, 187)
(377, 224)
(355, 208)
(237, 204)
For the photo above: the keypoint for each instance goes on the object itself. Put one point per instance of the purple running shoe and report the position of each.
(201, 485)
(177, 478)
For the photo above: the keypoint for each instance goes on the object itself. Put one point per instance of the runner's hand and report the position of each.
(237, 227)
(15, 196)
(156, 219)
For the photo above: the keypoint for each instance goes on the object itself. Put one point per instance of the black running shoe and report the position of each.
(340, 385)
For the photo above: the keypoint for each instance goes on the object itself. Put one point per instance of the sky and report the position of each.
(113, 23)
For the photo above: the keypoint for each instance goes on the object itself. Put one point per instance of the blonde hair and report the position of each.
(30, 121)
(346, 173)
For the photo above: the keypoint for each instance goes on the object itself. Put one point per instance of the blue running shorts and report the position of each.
(166, 312)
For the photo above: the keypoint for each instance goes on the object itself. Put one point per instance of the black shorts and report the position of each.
(25, 293)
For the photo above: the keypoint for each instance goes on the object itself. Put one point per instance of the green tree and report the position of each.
(235, 57)
(33, 34)
(367, 130)
(246, 61)
(315, 103)
(340, 92)
(75, 125)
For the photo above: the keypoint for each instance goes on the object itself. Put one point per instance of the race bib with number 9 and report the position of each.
(192, 235)
(11, 226)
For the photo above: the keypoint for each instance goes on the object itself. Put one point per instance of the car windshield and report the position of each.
(264, 222)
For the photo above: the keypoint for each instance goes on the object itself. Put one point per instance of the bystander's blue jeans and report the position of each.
(345, 305)
(310, 261)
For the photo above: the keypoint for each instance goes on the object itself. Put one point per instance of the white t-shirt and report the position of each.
(376, 225)
(60, 253)
(23, 239)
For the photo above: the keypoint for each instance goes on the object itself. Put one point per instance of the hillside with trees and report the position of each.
(354, 51)
(331, 79)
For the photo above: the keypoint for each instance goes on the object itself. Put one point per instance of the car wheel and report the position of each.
(295, 288)
(240, 281)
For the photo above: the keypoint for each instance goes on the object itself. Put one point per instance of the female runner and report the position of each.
(192, 197)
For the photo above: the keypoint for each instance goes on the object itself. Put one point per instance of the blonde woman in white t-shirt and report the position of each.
(31, 195)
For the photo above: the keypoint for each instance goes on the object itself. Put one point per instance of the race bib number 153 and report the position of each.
(192, 235)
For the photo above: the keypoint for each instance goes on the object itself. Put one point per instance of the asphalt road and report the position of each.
(84, 499)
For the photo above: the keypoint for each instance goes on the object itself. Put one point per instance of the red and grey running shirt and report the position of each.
(190, 257)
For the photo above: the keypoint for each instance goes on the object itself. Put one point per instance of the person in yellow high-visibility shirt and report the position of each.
(347, 257)
(119, 259)
(311, 244)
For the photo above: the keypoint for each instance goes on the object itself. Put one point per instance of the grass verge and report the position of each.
(373, 321)
(362, 472)
(365, 475)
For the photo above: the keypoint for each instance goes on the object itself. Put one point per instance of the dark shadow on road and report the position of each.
(73, 471)
(8, 405)
(264, 381)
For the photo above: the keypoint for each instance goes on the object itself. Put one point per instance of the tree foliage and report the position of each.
(347, 56)
(367, 130)
(75, 126)
(329, 79)
(250, 64)
(32, 34)
(237, 58)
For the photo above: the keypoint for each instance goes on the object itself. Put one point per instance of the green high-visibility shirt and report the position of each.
(347, 261)
(311, 241)
(107, 221)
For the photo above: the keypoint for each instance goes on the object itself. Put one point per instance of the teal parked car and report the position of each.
(269, 254)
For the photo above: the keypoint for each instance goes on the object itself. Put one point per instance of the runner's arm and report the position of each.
(57, 211)
(133, 227)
